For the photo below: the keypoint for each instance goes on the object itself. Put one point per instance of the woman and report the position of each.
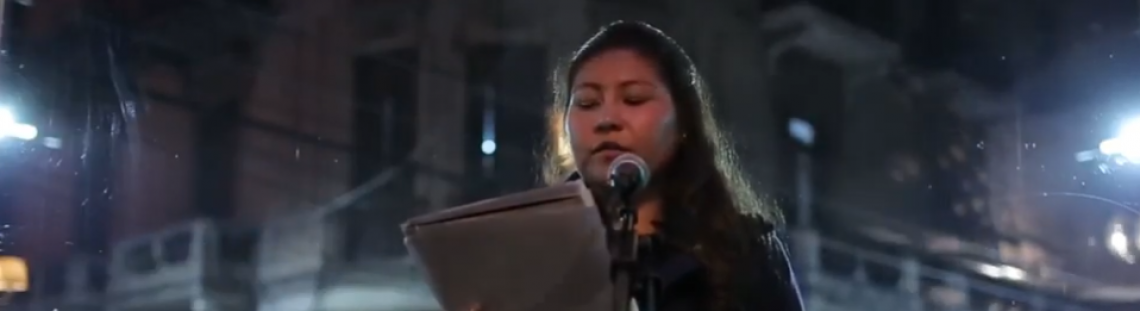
(631, 88)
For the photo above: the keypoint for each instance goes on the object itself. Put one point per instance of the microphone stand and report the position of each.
(629, 271)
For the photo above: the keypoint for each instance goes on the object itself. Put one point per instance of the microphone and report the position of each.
(628, 174)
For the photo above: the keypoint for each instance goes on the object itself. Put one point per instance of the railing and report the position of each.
(840, 276)
(146, 261)
(895, 233)
(200, 251)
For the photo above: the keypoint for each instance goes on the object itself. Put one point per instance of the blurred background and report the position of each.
(259, 154)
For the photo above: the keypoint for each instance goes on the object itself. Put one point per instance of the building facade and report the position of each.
(271, 157)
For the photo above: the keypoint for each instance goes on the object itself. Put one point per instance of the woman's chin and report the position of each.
(597, 173)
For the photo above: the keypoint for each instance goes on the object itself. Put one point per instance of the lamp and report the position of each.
(13, 277)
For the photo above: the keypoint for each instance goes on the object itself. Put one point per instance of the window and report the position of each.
(176, 248)
(238, 246)
(507, 103)
(140, 259)
(385, 98)
(97, 276)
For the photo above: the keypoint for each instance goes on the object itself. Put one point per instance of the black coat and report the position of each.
(765, 279)
(768, 284)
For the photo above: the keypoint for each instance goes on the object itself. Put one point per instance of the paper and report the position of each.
(543, 249)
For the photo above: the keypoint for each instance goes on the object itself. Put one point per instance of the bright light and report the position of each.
(22, 131)
(1126, 144)
(1118, 243)
(53, 142)
(802, 131)
(6, 116)
(10, 128)
(489, 147)
(1002, 272)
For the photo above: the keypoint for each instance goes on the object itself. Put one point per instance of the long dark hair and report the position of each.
(708, 203)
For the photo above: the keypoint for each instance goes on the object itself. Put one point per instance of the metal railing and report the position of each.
(835, 273)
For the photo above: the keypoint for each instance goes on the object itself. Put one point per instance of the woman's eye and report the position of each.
(636, 100)
(636, 95)
(585, 103)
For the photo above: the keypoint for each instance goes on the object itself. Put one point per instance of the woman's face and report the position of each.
(619, 104)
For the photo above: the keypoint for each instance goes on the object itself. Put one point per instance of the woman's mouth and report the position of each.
(608, 155)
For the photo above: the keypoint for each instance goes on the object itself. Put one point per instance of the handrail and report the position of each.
(967, 247)
(974, 283)
(376, 183)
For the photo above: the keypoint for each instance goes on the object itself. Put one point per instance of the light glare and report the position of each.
(489, 147)
(1126, 144)
(1118, 243)
(22, 131)
(10, 128)
(1002, 272)
(802, 131)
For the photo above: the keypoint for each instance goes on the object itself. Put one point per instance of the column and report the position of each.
(806, 246)
(154, 175)
(959, 287)
(297, 156)
(567, 28)
(911, 283)
(43, 198)
(441, 115)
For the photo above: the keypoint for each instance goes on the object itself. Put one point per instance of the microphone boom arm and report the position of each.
(628, 174)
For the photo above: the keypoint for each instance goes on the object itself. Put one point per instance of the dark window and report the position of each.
(386, 97)
(799, 76)
(239, 246)
(97, 276)
(54, 281)
(507, 96)
(140, 259)
(217, 142)
(176, 248)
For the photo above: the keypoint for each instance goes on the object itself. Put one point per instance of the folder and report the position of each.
(543, 249)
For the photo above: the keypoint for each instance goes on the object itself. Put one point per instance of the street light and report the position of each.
(1118, 243)
(10, 128)
(1117, 239)
(1126, 145)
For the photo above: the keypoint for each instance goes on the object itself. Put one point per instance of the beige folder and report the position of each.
(539, 250)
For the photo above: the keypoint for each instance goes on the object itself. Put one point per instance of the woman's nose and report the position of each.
(609, 119)
(606, 125)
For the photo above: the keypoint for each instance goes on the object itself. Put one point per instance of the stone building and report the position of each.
(272, 147)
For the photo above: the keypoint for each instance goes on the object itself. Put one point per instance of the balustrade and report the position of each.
(840, 276)
(199, 263)
(152, 260)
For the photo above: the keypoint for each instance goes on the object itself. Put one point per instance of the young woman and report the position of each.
(631, 88)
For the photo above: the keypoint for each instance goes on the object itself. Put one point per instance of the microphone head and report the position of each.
(629, 173)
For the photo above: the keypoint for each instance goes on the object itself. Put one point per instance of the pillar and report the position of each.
(910, 283)
(154, 174)
(304, 89)
(567, 28)
(441, 108)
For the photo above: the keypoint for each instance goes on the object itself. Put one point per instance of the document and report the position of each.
(539, 250)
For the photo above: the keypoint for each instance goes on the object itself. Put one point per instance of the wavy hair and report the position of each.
(708, 203)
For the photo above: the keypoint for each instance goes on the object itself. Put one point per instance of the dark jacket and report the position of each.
(767, 285)
(773, 285)
(765, 279)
